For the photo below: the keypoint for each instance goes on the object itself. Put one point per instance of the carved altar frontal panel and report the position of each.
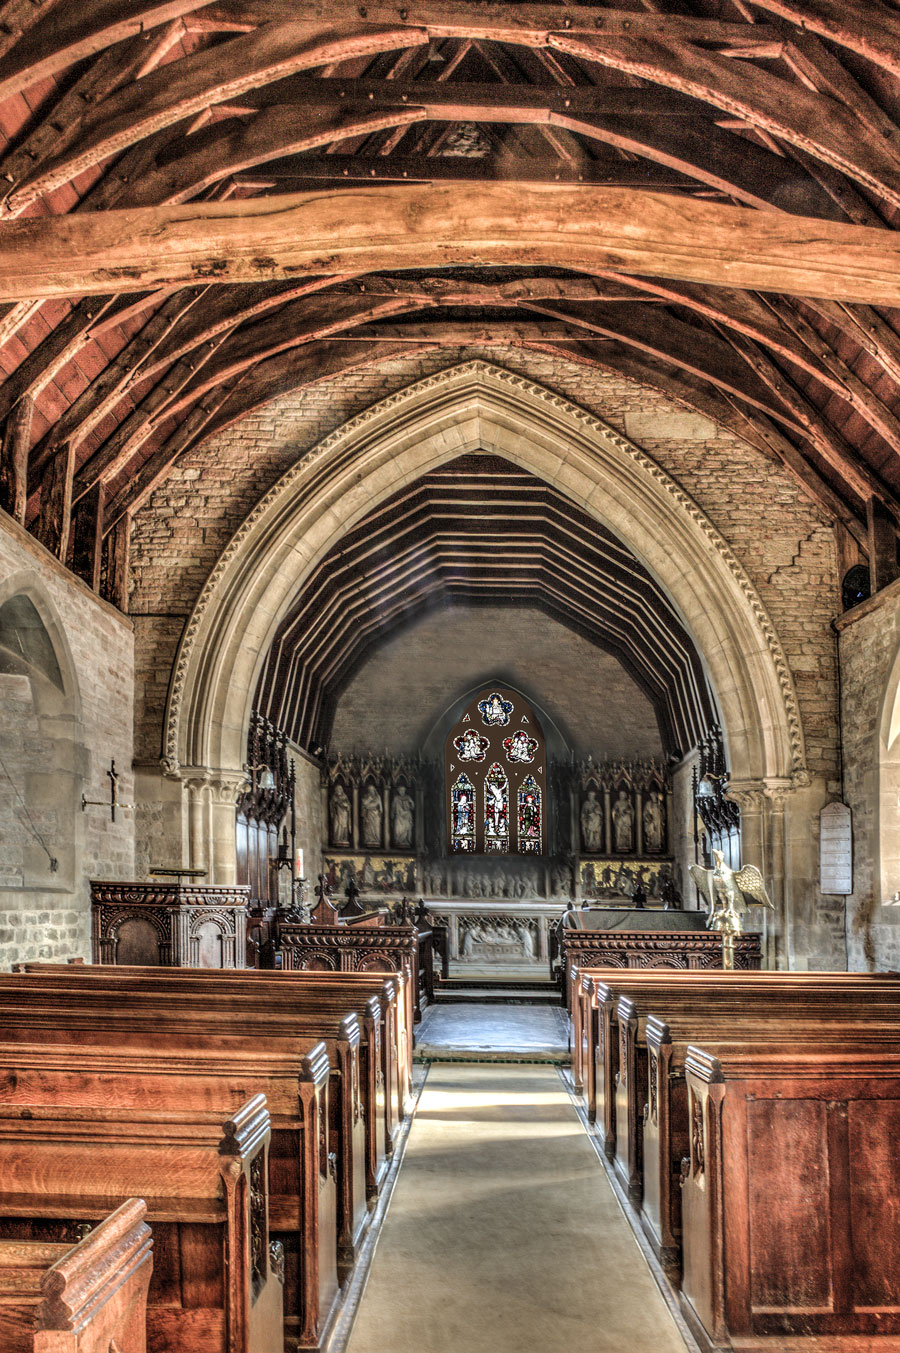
(498, 937)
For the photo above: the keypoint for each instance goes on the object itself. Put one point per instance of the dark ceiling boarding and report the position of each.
(479, 531)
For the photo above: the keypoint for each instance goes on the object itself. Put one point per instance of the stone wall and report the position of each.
(56, 743)
(407, 685)
(869, 644)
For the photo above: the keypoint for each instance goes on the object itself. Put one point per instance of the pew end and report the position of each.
(86, 1298)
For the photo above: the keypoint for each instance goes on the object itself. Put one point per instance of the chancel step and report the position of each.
(483, 989)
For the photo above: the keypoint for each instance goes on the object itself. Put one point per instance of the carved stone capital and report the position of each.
(749, 795)
(777, 791)
(226, 786)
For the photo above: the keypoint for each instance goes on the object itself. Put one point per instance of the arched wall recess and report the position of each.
(25, 587)
(471, 407)
(45, 754)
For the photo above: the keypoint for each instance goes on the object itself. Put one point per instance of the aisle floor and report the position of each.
(503, 1234)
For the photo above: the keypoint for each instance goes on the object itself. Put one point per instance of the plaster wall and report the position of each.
(55, 746)
(408, 683)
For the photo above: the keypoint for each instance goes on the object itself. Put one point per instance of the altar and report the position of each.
(525, 933)
(492, 931)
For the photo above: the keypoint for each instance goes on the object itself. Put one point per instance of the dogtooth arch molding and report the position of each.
(477, 406)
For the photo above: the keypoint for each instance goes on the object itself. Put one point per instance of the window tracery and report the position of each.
(495, 772)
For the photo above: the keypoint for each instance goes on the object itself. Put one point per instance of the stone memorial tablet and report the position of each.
(836, 850)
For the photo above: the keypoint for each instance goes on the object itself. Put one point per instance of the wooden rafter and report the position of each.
(868, 27)
(697, 150)
(169, 95)
(180, 315)
(68, 33)
(814, 122)
(492, 22)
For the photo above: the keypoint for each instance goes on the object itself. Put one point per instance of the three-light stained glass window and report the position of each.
(495, 763)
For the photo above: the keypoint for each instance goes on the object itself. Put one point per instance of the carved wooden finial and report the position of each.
(324, 912)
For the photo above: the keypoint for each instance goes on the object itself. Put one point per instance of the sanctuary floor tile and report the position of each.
(493, 1030)
(503, 1234)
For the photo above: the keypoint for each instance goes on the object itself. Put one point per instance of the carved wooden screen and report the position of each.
(261, 812)
(495, 779)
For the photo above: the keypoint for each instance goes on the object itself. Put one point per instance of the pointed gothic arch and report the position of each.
(473, 407)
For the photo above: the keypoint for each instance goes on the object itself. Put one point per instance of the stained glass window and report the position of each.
(462, 814)
(471, 746)
(530, 824)
(494, 710)
(521, 747)
(495, 776)
(496, 810)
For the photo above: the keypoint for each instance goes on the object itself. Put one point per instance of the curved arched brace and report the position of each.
(468, 408)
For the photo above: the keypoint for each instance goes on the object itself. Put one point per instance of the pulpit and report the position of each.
(172, 924)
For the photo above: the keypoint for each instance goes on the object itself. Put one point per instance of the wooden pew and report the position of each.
(598, 1045)
(318, 1215)
(206, 1186)
(640, 1100)
(145, 1072)
(642, 950)
(791, 1197)
(730, 1010)
(657, 1138)
(307, 1003)
(354, 949)
(86, 1298)
(309, 986)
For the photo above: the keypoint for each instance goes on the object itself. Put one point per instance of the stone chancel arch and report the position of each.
(469, 408)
